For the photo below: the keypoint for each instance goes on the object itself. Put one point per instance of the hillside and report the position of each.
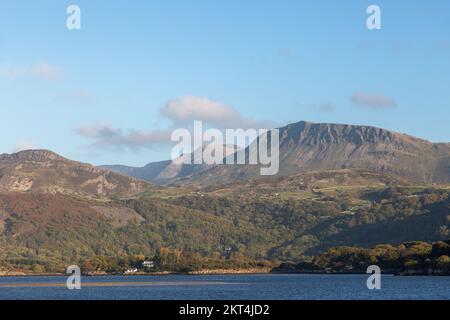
(46, 172)
(55, 211)
(278, 220)
(306, 146)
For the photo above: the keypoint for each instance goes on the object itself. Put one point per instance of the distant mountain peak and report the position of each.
(44, 171)
(164, 171)
(312, 133)
(33, 155)
(308, 146)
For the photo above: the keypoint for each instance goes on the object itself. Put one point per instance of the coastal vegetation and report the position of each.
(219, 228)
(410, 258)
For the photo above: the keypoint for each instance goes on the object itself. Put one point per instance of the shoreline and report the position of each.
(217, 272)
(158, 273)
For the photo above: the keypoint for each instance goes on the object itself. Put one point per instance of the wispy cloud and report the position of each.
(41, 70)
(372, 100)
(107, 136)
(45, 70)
(323, 107)
(180, 112)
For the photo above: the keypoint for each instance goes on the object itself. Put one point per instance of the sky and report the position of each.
(113, 91)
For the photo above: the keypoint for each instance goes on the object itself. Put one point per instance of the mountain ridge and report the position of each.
(56, 212)
(306, 146)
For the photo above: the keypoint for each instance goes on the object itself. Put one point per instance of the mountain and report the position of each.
(44, 171)
(150, 172)
(55, 212)
(165, 172)
(306, 146)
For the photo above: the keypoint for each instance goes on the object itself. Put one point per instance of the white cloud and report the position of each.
(45, 70)
(372, 100)
(181, 112)
(10, 72)
(41, 70)
(190, 108)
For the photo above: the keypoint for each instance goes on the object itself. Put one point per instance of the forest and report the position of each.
(409, 258)
(216, 230)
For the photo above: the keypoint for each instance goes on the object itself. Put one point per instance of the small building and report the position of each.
(148, 264)
(130, 271)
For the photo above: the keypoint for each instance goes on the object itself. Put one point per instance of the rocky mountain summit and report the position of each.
(47, 172)
(307, 146)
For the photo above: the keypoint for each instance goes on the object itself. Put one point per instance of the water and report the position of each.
(227, 287)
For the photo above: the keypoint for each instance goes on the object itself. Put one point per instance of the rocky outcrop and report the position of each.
(47, 172)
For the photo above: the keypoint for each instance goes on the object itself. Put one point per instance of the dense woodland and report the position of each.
(209, 230)
(410, 258)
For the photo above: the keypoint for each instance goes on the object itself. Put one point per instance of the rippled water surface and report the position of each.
(227, 287)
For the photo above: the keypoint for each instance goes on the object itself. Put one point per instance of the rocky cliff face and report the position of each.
(46, 172)
(306, 146)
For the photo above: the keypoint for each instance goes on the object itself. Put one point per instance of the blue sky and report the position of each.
(109, 93)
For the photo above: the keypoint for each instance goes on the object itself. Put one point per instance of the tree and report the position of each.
(443, 262)
(37, 268)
